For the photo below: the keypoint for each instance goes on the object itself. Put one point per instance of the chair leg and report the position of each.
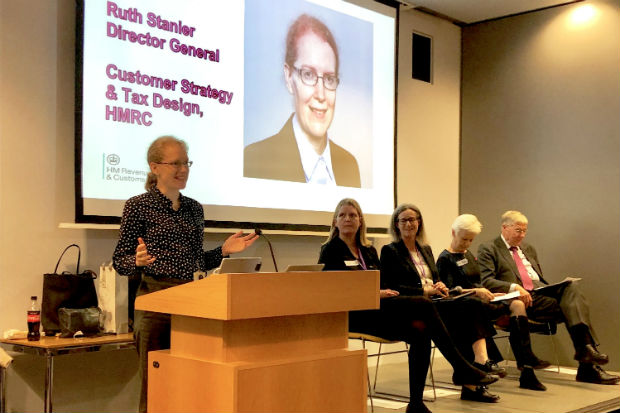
(549, 333)
(372, 406)
(510, 353)
(432, 376)
(555, 349)
(374, 385)
(372, 390)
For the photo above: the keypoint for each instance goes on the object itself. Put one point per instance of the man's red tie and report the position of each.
(525, 277)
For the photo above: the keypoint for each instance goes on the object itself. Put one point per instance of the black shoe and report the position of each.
(492, 368)
(481, 394)
(538, 364)
(589, 373)
(589, 355)
(528, 380)
(418, 407)
(474, 377)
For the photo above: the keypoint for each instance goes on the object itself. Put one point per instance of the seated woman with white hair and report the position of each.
(458, 267)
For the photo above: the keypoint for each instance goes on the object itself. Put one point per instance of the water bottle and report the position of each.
(34, 320)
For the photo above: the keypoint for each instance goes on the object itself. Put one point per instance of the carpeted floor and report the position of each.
(563, 395)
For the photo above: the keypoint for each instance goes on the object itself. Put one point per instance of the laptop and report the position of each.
(239, 265)
(304, 267)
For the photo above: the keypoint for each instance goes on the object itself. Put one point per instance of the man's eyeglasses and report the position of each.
(310, 78)
(177, 164)
(405, 221)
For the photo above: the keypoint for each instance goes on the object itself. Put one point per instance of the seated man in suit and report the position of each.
(302, 151)
(508, 264)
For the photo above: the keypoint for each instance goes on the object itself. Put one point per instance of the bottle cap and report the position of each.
(33, 297)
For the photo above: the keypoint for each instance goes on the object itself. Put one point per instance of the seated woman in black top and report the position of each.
(408, 266)
(458, 267)
(410, 319)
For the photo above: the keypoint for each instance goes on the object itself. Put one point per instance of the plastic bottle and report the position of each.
(34, 320)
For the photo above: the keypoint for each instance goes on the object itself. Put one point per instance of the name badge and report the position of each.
(462, 262)
(351, 263)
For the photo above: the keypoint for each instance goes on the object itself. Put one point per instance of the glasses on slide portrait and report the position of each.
(310, 78)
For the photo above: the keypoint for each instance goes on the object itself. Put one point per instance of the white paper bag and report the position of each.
(112, 292)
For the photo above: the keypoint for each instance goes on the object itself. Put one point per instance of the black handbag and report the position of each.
(69, 290)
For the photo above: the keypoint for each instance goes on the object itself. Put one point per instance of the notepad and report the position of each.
(453, 297)
(552, 288)
(508, 296)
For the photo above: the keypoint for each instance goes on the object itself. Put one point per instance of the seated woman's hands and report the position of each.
(438, 288)
(388, 293)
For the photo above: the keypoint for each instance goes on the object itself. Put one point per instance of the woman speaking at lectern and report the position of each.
(161, 237)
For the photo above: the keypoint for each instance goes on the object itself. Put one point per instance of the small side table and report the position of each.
(50, 347)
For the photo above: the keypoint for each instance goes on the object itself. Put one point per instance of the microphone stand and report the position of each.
(259, 232)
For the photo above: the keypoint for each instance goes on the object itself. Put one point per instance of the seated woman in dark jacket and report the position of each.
(410, 319)
(459, 268)
(408, 266)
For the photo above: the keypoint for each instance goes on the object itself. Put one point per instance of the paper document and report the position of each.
(452, 297)
(556, 285)
(508, 296)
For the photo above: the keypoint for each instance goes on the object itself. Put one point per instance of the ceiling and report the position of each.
(464, 12)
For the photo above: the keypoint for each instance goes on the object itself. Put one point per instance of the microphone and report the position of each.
(456, 290)
(259, 232)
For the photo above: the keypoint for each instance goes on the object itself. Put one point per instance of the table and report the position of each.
(50, 347)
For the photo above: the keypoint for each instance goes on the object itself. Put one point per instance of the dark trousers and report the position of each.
(566, 304)
(151, 330)
(415, 320)
(467, 319)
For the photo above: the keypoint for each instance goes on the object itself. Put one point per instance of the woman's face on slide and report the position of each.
(172, 176)
(348, 221)
(314, 105)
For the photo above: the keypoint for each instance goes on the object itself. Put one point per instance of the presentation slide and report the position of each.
(286, 106)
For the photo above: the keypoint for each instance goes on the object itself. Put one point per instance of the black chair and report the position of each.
(543, 327)
(380, 341)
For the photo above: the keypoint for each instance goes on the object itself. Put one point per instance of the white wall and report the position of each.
(428, 126)
(37, 190)
(541, 134)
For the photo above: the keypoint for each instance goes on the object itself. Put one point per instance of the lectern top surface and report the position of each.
(267, 294)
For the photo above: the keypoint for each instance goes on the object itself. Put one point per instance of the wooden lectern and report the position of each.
(261, 342)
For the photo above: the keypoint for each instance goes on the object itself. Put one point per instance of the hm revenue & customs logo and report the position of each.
(113, 159)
